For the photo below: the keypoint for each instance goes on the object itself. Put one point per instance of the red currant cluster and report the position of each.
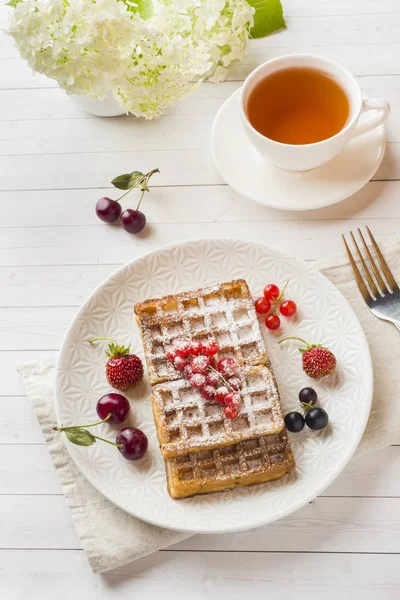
(218, 381)
(271, 301)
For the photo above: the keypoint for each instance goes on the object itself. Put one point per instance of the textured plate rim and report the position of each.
(300, 208)
(293, 506)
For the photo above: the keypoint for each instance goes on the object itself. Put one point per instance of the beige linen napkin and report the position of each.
(111, 537)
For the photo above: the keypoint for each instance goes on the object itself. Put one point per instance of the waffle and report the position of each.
(186, 422)
(224, 312)
(246, 463)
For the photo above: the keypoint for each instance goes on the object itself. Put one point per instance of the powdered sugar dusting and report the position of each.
(260, 413)
(222, 312)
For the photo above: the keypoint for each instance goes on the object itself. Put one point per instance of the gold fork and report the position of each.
(381, 293)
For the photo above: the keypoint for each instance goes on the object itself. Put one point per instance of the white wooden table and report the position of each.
(55, 162)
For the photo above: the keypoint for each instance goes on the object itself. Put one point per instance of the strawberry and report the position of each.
(318, 361)
(123, 370)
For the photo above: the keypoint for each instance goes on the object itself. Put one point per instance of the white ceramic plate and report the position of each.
(253, 177)
(324, 316)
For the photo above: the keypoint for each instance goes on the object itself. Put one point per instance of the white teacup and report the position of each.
(309, 156)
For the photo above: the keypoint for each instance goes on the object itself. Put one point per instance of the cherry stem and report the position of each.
(108, 441)
(140, 199)
(223, 379)
(294, 338)
(84, 426)
(145, 180)
(125, 194)
(95, 339)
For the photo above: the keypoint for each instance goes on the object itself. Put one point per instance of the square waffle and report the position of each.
(186, 422)
(224, 312)
(246, 463)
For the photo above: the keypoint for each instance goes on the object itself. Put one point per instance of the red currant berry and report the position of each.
(213, 378)
(211, 348)
(180, 363)
(200, 364)
(235, 383)
(271, 291)
(196, 348)
(170, 353)
(188, 372)
(273, 322)
(232, 398)
(212, 362)
(288, 308)
(262, 305)
(197, 381)
(227, 367)
(181, 347)
(222, 391)
(231, 411)
(208, 392)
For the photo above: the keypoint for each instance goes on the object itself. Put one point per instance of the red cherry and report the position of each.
(132, 443)
(222, 391)
(288, 308)
(262, 305)
(210, 348)
(231, 411)
(188, 371)
(133, 221)
(180, 363)
(273, 322)
(200, 364)
(108, 210)
(208, 392)
(213, 378)
(170, 353)
(271, 291)
(197, 381)
(114, 404)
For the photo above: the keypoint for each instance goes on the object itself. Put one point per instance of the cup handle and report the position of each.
(373, 104)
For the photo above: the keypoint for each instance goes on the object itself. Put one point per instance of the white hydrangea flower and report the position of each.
(93, 46)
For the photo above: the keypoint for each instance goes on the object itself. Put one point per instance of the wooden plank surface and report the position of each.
(55, 161)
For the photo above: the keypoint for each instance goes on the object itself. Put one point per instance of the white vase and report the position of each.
(108, 107)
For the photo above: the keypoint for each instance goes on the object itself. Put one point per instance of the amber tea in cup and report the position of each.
(298, 105)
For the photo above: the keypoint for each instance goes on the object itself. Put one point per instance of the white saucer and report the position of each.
(250, 175)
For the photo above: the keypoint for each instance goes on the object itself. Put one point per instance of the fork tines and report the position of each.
(374, 285)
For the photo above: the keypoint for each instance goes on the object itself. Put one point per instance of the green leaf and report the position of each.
(136, 176)
(122, 181)
(127, 180)
(143, 7)
(13, 3)
(268, 17)
(115, 350)
(80, 437)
